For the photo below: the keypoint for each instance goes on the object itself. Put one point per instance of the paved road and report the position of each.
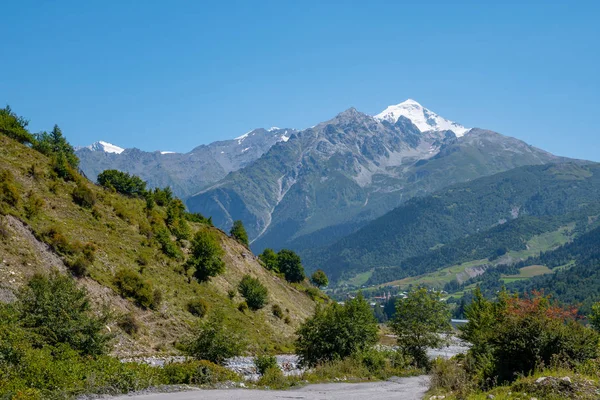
(412, 388)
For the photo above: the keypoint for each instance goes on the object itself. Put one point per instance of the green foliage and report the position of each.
(269, 259)
(132, 285)
(83, 195)
(253, 291)
(319, 278)
(168, 247)
(55, 144)
(130, 324)
(57, 311)
(545, 194)
(33, 205)
(450, 375)
(61, 167)
(594, 317)
(336, 332)
(198, 307)
(162, 197)
(176, 220)
(122, 182)
(419, 321)
(290, 265)
(277, 311)
(216, 340)
(514, 336)
(206, 255)
(14, 127)
(54, 237)
(197, 373)
(242, 307)
(9, 193)
(263, 362)
(238, 232)
(80, 266)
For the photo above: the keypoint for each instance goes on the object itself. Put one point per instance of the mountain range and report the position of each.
(308, 189)
(185, 173)
(329, 180)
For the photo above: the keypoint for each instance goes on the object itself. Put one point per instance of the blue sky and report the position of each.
(173, 75)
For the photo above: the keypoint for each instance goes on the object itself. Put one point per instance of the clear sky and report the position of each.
(170, 75)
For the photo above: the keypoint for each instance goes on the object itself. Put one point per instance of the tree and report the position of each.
(54, 308)
(594, 317)
(14, 127)
(319, 278)
(290, 264)
(420, 320)
(238, 232)
(131, 284)
(55, 144)
(269, 259)
(254, 292)
(336, 332)
(122, 182)
(216, 340)
(206, 255)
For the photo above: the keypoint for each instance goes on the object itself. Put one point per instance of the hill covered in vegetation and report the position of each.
(482, 219)
(134, 254)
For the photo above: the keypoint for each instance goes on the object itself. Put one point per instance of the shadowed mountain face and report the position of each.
(327, 181)
(185, 173)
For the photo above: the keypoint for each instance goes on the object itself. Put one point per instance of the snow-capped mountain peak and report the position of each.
(424, 119)
(105, 147)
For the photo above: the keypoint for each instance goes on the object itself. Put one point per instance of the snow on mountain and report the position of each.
(424, 119)
(105, 147)
(167, 152)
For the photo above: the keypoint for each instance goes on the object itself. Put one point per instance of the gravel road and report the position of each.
(412, 388)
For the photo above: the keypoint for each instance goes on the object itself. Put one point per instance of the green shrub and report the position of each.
(375, 361)
(516, 336)
(253, 291)
(449, 375)
(130, 324)
(96, 213)
(122, 182)
(238, 232)
(273, 378)
(62, 169)
(83, 196)
(162, 197)
(130, 284)
(14, 127)
(336, 332)
(197, 373)
(168, 247)
(216, 340)
(243, 306)
(269, 260)
(54, 237)
(277, 311)
(319, 278)
(80, 266)
(33, 206)
(197, 307)
(313, 293)
(264, 362)
(207, 253)
(231, 294)
(287, 320)
(57, 310)
(8, 189)
(55, 145)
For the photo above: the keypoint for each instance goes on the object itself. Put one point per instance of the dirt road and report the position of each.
(412, 388)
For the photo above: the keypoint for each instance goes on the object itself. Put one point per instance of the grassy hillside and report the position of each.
(42, 227)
